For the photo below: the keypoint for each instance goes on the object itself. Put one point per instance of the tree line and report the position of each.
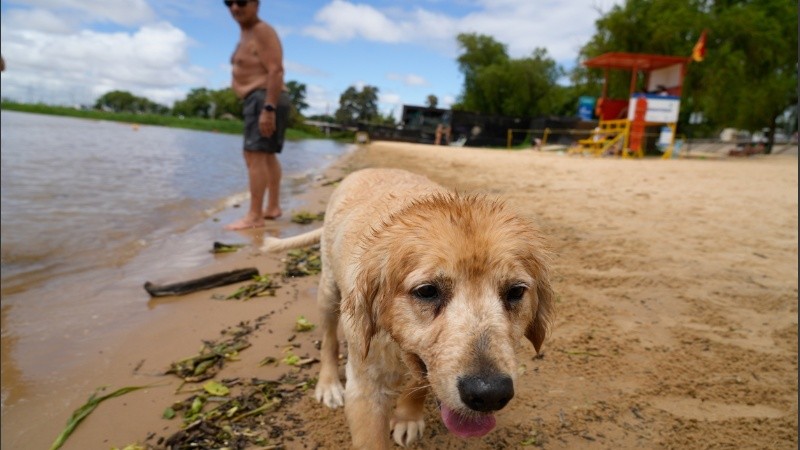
(748, 79)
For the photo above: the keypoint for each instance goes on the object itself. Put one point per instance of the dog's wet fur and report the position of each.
(435, 289)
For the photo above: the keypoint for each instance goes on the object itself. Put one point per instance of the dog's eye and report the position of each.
(426, 292)
(515, 293)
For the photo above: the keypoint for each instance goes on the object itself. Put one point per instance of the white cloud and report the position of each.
(446, 101)
(78, 67)
(389, 99)
(294, 68)
(320, 100)
(123, 12)
(342, 20)
(408, 79)
(390, 104)
(38, 19)
(560, 27)
(523, 25)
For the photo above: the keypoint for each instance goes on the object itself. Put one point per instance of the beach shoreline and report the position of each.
(661, 268)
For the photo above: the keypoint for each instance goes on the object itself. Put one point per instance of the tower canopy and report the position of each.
(633, 61)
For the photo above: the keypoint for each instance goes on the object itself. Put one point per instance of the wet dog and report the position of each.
(435, 290)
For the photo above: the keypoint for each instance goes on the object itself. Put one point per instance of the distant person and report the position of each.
(258, 80)
(2, 64)
(443, 129)
(661, 90)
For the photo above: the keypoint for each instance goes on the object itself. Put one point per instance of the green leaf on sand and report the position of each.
(291, 359)
(81, 413)
(303, 324)
(216, 388)
(169, 413)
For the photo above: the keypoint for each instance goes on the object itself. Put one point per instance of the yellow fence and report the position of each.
(609, 138)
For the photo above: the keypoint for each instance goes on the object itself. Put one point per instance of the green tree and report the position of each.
(123, 101)
(297, 94)
(387, 119)
(479, 52)
(196, 104)
(116, 101)
(750, 71)
(224, 102)
(432, 101)
(357, 106)
(497, 84)
(749, 76)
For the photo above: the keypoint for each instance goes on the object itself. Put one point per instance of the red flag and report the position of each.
(699, 50)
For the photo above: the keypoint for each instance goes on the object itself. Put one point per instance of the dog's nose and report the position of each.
(486, 393)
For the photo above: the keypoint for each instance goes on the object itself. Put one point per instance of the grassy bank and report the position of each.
(191, 123)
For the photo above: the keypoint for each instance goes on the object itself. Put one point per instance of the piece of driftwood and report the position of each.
(199, 284)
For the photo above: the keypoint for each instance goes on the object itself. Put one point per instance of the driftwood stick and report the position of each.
(199, 284)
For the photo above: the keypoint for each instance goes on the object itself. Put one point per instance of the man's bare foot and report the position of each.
(244, 224)
(272, 215)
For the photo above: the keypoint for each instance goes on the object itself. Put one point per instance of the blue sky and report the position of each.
(69, 52)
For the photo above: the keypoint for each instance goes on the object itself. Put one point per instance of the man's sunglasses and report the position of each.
(239, 3)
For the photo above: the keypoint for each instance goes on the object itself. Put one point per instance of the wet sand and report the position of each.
(676, 326)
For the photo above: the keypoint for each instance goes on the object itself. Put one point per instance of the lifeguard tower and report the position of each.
(622, 122)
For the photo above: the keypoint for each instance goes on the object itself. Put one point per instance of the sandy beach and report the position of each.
(676, 315)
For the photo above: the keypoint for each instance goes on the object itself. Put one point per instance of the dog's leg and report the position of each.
(329, 388)
(367, 408)
(408, 422)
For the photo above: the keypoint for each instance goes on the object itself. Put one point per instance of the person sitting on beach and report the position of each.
(257, 78)
(597, 135)
(443, 130)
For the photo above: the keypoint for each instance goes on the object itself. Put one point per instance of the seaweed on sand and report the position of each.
(262, 285)
(305, 217)
(236, 422)
(212, 356)
(303, 262)
(221, 247)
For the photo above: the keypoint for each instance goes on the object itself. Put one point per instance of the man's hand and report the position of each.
(266, 123)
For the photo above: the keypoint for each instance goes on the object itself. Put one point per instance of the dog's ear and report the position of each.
(542, 316)
(364, 302)
(543, 312)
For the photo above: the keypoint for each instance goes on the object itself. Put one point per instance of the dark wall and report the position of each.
(418, 124)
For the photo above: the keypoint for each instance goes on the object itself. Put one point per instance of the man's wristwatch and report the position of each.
(269, 107)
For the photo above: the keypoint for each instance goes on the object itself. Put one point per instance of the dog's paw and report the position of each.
(406, 432)
(330, 393)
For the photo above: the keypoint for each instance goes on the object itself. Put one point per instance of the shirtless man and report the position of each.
(258, 80)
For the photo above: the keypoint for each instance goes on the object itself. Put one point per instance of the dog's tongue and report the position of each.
(467, 427)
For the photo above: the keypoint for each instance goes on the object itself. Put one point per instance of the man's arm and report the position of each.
(271, 54)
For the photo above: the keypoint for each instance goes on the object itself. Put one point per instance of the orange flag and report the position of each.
(699, 50)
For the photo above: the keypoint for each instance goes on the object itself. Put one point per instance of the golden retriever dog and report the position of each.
(435, 289)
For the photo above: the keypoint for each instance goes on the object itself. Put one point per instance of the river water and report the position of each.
(92, 209)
